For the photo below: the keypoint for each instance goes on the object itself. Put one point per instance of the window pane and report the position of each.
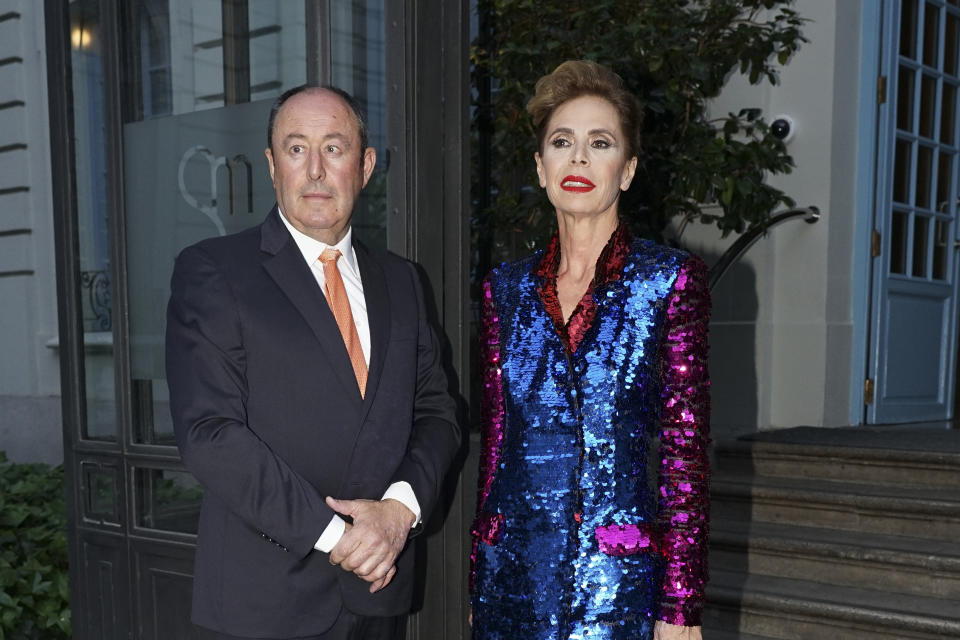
(101, 492)
(898, 243)
(151, 409)
(945, 180)
(908, 28)
(931, 35)
(278, 40)
(200, 170)
(928, 105)
(948, 115)
(358, 36)
(924, 176)
(159, 85)
(940, 244)
(921, 225)
(905, 99)
(92, 220)
(154, 27)
(168, 500)
(199, 83)
(901, 172)
(951, 41)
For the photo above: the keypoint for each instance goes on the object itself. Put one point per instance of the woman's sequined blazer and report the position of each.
(592, 515)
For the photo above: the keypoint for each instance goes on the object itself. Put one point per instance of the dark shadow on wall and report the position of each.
(733, 352)
(734, 412)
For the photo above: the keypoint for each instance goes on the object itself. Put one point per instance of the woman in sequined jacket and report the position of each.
(592, 503)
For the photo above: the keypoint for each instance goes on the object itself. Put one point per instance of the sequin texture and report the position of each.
(592, 495)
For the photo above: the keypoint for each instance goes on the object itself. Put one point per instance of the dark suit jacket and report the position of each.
(269, 418)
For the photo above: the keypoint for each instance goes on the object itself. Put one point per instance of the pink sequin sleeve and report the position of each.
(486, 526)
(684, 441)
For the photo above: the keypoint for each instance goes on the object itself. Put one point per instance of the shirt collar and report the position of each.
(311, 248)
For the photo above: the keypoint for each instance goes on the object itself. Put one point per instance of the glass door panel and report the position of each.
(358, 62)
(93, 221)
(195, 108)
(917, 286)
(167, 500)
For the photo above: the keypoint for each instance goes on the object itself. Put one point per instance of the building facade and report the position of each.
(30, 424)
(851, 320)
(131, 129)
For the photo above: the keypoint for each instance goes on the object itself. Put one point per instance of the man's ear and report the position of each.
(267, 152)
(369, 162)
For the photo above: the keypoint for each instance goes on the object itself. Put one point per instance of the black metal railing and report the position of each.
(809, 215)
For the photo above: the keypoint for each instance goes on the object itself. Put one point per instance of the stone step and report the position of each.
(901, 564)
(719, 634)
(930, 513)
(852, 464)
(811, 610)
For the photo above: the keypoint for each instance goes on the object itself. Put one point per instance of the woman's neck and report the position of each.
(581, 242)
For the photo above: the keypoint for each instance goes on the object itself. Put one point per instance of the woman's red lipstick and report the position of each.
(577, 184)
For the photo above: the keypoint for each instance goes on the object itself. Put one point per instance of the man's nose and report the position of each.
(315, 170)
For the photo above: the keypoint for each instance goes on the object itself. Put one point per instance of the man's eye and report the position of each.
(296, 149)
(333, 148)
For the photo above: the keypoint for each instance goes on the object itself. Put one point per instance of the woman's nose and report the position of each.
(579, 155)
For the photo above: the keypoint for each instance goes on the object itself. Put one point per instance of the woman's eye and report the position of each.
(601, 144)
(560, 142)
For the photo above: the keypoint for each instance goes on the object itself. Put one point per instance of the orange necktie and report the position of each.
(340, 305)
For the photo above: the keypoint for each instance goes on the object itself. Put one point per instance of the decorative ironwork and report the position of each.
(97, 300)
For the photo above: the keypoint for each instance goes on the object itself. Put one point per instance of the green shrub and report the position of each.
(34, 579)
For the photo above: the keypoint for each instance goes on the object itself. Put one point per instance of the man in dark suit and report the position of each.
(308, 398)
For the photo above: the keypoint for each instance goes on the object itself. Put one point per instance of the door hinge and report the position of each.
(868, 391)
(874, 243)
(882, 90)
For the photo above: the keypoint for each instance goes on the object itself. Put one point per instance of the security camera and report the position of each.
(783, 128)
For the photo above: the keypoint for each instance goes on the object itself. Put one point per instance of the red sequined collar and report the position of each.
(609, 267)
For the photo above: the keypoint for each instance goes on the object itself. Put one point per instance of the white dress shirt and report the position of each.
(350, 273)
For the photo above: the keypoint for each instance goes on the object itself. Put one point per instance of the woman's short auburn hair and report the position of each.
(576, 78)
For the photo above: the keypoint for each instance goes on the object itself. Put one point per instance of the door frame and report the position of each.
(428, 224)
(883, 140)
(872, 37)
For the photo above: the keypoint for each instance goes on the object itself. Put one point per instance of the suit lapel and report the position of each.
(378, 316)
(286, 266)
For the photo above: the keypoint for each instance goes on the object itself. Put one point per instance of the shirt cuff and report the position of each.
(331, 535)
(402, 492)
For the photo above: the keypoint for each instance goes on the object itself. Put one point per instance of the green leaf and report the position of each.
(34, 581)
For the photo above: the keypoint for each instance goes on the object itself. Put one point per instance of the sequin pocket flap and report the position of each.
(627, 539)
(488, 527)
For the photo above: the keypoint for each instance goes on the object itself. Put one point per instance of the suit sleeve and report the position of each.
(206, 372)
(684, 440)
(435, 434)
